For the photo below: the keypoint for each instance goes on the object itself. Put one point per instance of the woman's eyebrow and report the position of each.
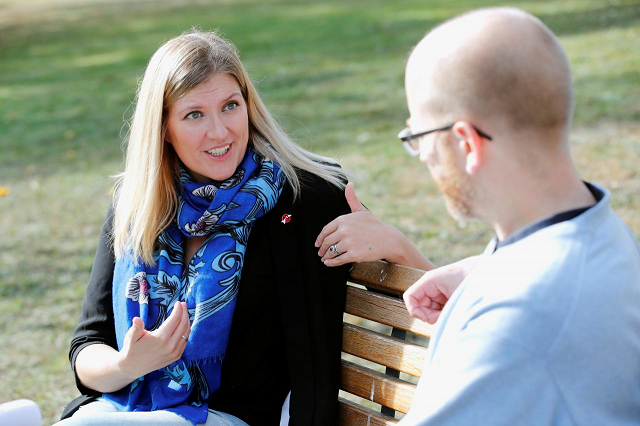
(195, 105)
(189, 106)
(233, 95)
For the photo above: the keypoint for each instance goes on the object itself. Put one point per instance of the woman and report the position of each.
(214, 219)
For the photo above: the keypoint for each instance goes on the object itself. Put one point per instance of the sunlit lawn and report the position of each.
(332, 71)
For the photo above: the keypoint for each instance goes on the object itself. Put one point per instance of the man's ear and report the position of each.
(471, 145)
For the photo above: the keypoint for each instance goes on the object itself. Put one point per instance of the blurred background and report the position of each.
(332, 73)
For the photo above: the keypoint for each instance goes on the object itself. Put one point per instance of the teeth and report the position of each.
(219, 151)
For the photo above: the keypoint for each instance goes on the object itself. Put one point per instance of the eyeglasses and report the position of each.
(410, 140)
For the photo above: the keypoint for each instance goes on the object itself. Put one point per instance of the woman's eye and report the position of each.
(193, 115)
(231, 106)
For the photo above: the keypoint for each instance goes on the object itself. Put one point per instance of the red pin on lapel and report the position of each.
(285, 218)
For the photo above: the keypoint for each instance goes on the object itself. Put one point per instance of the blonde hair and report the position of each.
(146, 197)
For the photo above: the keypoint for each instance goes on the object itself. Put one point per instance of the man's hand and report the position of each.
(426, 298)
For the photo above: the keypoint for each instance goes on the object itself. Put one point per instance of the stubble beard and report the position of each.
(455, 185)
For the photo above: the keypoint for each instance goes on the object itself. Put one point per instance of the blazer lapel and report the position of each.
(285, 228)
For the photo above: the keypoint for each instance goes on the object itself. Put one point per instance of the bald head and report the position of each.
(499, 65)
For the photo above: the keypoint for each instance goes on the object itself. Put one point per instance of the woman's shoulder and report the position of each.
(315, 188)
(319, 198)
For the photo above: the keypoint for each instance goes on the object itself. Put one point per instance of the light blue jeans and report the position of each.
(102, 413)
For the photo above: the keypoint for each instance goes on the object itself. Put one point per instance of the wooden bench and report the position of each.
(380, 303)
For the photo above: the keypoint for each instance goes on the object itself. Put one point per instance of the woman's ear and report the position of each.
(164, 136)
(471, 145)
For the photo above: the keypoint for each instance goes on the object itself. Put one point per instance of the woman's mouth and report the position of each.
(218, 152)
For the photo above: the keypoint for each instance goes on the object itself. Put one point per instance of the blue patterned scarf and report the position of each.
(225, 213)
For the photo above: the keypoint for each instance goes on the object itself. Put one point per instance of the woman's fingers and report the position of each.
(338, 260)
(184, 328)
(331, 241)
(332, 227)
(168, 327)
(329, 229)
(338, 249)
(187, 320)
(177, 326)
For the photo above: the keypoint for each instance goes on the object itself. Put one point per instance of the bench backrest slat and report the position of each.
(384, 276)
(382, 349)
(377, 387)
(350, 413)
(379, 303)
(384, 310)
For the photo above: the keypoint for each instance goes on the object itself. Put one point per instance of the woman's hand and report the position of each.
(144, 351)
(426, 298)
(102, 368)
(361, 237)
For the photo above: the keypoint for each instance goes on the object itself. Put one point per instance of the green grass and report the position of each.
(332, 71)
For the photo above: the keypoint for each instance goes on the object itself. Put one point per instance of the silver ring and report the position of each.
(334, 249)
(184, 337)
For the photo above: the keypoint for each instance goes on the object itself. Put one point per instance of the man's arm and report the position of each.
(483, 373)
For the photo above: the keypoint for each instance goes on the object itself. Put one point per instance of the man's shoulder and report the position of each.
(555, 281)
(572, 251)
(523, 291)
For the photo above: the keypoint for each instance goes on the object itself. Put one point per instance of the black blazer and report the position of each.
(287, 326)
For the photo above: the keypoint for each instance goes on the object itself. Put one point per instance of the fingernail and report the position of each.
(316, 244)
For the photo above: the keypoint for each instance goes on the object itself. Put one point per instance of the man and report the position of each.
(544, 328)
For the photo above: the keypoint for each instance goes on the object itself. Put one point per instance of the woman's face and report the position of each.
(209, 128)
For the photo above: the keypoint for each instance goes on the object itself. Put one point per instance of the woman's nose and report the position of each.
(217, 129)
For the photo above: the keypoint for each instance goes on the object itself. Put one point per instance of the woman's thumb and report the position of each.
(352, 199)
(137, 328)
